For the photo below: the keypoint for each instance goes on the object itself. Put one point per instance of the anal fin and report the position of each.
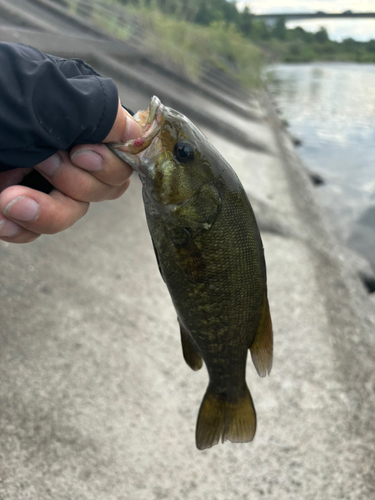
(190, 350)
(262, 347)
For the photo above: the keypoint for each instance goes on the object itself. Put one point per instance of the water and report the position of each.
(331, 108)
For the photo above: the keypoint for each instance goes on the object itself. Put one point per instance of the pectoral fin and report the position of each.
(190, 350)
(262, 347)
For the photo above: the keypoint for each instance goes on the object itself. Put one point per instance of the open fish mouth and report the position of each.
(151, 122)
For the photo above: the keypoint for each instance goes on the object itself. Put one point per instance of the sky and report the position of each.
(359, 29)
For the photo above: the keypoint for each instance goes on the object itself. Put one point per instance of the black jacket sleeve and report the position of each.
(48, 103)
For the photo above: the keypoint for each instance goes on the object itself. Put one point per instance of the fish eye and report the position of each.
(184, 151)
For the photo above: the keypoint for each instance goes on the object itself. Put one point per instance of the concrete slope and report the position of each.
(96, 401)
(50, 17)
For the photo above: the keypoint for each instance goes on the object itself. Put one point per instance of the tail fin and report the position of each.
(234, 420)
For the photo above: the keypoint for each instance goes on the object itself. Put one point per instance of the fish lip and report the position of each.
(151, 122)
(154, 106)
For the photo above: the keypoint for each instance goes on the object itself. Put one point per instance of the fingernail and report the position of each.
(22, 208)
(87, 159)
(8, 228)
(133, 130)
(50, 165)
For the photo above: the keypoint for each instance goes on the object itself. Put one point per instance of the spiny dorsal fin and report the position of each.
(262, 347)
(190, 350)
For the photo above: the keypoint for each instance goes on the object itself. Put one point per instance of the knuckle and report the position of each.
(62, 213)
(70, 217)
(118, 191)
(84, 188)
(116, 171)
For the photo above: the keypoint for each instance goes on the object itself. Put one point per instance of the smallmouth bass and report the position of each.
(210, 255)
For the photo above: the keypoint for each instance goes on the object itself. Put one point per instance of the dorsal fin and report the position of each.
(262, 347)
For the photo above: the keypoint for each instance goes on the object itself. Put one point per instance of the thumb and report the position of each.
(124, 128)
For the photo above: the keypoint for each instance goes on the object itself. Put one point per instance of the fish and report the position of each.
(210, 255)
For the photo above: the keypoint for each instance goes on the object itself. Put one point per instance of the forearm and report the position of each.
(48, 104)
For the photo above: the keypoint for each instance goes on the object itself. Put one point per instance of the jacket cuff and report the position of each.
(109, 99)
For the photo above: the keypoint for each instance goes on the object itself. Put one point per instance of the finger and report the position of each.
(124, 128)
(81, 185)
(102, 163)
(11, 177)
(39, 212)
(13, 233)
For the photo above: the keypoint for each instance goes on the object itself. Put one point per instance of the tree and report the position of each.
(209, 11)
(321, 36)
(217, 10)
(299, 33)
(230, 11)
(279, 31)
(245, 22)
(260, 30)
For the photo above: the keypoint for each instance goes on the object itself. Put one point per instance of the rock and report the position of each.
(296, 141)
(361, 267)
(316, 179)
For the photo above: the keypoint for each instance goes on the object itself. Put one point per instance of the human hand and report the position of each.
(88, 173)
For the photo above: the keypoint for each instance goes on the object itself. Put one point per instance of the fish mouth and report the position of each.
(151, 122)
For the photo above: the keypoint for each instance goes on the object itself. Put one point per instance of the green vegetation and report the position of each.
(200, 34)
(298, 45)
(219, 45)
(288, 45)
(193, 35)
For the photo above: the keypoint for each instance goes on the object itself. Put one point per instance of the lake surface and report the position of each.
(330, 107)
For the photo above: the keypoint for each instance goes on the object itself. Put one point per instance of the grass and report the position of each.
(189, 47)
(195, 47)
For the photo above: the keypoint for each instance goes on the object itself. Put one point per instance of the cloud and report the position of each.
(362, 30)
(338, 29)
(265, 6)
